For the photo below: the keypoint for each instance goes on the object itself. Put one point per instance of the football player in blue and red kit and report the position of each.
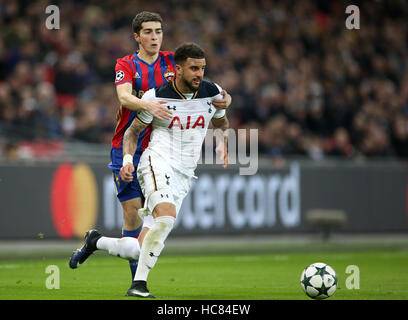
(134, 75)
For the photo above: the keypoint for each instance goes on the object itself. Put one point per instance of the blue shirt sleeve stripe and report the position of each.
(130, 65)
(138, 80)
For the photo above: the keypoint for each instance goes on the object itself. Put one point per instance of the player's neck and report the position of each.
(182, 87)
(143, 55)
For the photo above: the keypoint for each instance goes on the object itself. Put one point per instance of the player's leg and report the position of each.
(131, 198)
(127, 247)
(80, 255)
(142, 234)
(153, 175)
(153, 244)
(164, 214)
(135, 228)
(132, 224)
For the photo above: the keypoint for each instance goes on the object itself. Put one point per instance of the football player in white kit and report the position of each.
(168, 163)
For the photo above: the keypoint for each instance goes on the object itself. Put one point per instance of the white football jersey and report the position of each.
(178, 141)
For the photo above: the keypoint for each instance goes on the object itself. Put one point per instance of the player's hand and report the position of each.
(221, 151)
(126, 172)
(224, 102)
(157, 110)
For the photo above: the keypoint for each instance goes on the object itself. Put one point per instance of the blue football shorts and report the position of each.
(124, 190)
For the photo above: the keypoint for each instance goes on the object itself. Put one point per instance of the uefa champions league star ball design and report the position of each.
(319, 281)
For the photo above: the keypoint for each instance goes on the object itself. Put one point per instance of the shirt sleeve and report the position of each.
(144, 116)
(219, 113)
(123, 72)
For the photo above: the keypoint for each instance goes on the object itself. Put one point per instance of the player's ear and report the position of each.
(137, 37)
(179, 69)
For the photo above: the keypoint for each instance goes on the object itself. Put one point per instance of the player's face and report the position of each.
(192, 73)
(150, 37)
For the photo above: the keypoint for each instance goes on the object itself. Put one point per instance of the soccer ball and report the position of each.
(319, 281)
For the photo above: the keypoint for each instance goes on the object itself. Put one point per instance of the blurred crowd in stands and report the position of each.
(312, 87)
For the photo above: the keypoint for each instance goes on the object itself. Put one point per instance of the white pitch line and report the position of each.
(9, 266)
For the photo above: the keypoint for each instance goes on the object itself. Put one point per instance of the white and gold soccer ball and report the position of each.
(319, 281)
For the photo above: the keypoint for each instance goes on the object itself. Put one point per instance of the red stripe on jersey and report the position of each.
(124, 118)
(168, 61)
(146, 138)
(158, 77)
(145, 77)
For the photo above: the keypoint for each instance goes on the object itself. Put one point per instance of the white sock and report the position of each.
(153, 245)
(126, 247)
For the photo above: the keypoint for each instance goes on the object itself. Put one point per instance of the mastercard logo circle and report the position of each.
(73, 200)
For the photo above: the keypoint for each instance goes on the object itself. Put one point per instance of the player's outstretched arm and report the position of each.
(130, 138)
(223, 103)
(129, 101)
(221, 148)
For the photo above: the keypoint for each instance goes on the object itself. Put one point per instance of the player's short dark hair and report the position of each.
(188, 50)
(145, 16)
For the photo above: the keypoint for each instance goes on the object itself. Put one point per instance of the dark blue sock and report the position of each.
(134, 234)
(133, 266)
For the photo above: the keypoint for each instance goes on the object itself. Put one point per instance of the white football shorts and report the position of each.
(160, 183)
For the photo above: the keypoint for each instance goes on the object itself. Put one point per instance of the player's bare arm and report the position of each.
(223, 103)
(130, 138)
(221, 148)
(129, 101)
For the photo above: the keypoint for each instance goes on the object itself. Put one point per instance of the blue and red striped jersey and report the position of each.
(142, 76)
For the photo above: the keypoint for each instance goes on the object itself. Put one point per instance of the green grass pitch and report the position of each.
(233, 276)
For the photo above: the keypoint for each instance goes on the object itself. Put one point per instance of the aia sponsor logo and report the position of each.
(199, 122)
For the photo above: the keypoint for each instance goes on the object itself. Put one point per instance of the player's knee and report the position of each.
(130, 212)
(165, 209)
(131, 220)
(161, 203)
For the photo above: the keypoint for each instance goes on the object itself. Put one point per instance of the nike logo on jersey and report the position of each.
(171, 107)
